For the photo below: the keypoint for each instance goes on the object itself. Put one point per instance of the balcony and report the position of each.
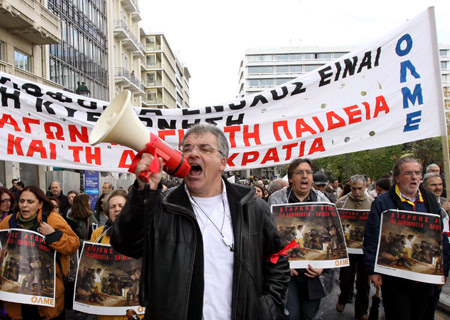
(12, 70)
(120, 29)
(129, 81)
(129, 5)
(31, 21)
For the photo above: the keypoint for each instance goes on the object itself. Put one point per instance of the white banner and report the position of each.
(387, 93)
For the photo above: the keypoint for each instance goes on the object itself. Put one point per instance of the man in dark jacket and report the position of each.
(402, 298)
(206, 245)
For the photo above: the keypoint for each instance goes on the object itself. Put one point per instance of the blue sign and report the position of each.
(91, 185)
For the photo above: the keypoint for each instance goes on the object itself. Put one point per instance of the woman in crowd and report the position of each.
(113, 204)
(260, 191)
(36, 214)
(100, 210)
(81, 217)
(7, 204)
(55, 202)
(70, 196)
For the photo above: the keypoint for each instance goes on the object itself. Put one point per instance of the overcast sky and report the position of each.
(210, 37)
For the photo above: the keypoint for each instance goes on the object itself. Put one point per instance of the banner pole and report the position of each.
(440, 94)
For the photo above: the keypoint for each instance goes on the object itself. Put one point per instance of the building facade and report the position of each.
(27, 29)
(82, 54)
(166, 79)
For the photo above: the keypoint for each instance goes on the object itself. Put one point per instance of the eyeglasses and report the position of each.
(5, 201)
(411, 173)
(203, 148)
(302, 172)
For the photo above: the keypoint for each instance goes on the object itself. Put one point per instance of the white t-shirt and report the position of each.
(218, 258)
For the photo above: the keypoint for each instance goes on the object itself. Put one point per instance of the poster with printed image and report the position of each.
(317, 230)
(27, 268)
(410, 246)
(354, 223)
(107, 282)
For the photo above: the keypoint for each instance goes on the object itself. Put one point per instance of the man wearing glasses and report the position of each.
(305, 288)
(206, 245)
(402, 298)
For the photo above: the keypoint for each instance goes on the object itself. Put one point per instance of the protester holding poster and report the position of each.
(356, 199)
(36, 214)
(114, 203)
(301, 305)
(402, 298)
(206, 244)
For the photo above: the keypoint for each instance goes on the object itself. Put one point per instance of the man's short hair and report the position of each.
(397, 167)
(110, 185)
(358, 177)
(430, 175)
(204, 128)
(428, 168)
(384, 183)
(276, 185)
(14, 180)
(294, 164)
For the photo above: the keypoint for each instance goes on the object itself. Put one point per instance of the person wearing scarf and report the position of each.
(36, 214)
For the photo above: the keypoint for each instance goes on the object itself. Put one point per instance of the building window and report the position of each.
(282, 57)
(295, 57)
(445, 78)
(2, 48)
(21, 60)
(266, 70)
(295, 69)
(267, 83)
(324, 56)
(311, 67)
(444, 65)
(338, 54)
(280, 81)
(309, 56)
(282, 69)
(253, 83)
(443, 53)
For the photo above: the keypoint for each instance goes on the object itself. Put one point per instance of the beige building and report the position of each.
(96, 43)
(166, 79)
(125, 49)
(26, 28)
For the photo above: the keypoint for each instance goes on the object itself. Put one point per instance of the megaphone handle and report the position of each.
(145, 176)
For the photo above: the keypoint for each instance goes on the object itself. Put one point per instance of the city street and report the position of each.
(330, 313)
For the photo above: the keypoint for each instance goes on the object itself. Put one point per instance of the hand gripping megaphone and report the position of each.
(119, 124)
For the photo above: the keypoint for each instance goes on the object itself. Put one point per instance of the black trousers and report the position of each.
(405, 299)
(346, 283)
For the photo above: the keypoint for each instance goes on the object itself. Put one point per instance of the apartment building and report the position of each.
(166, 79)
(125, 49)
(27, 28)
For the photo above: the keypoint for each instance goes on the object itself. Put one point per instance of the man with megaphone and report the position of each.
(208, 246)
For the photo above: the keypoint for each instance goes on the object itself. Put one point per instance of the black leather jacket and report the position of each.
(163, 230)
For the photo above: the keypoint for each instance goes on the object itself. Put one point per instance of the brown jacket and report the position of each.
(66, 245)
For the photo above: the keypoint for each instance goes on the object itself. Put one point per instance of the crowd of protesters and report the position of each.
(69, 220)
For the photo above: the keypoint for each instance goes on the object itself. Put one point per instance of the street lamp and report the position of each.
(82, 89)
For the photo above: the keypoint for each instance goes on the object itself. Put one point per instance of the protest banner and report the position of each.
(410, 246)
(386, 93)
(107, 282)
(27, 268)
(317, 230)
(354, 223)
